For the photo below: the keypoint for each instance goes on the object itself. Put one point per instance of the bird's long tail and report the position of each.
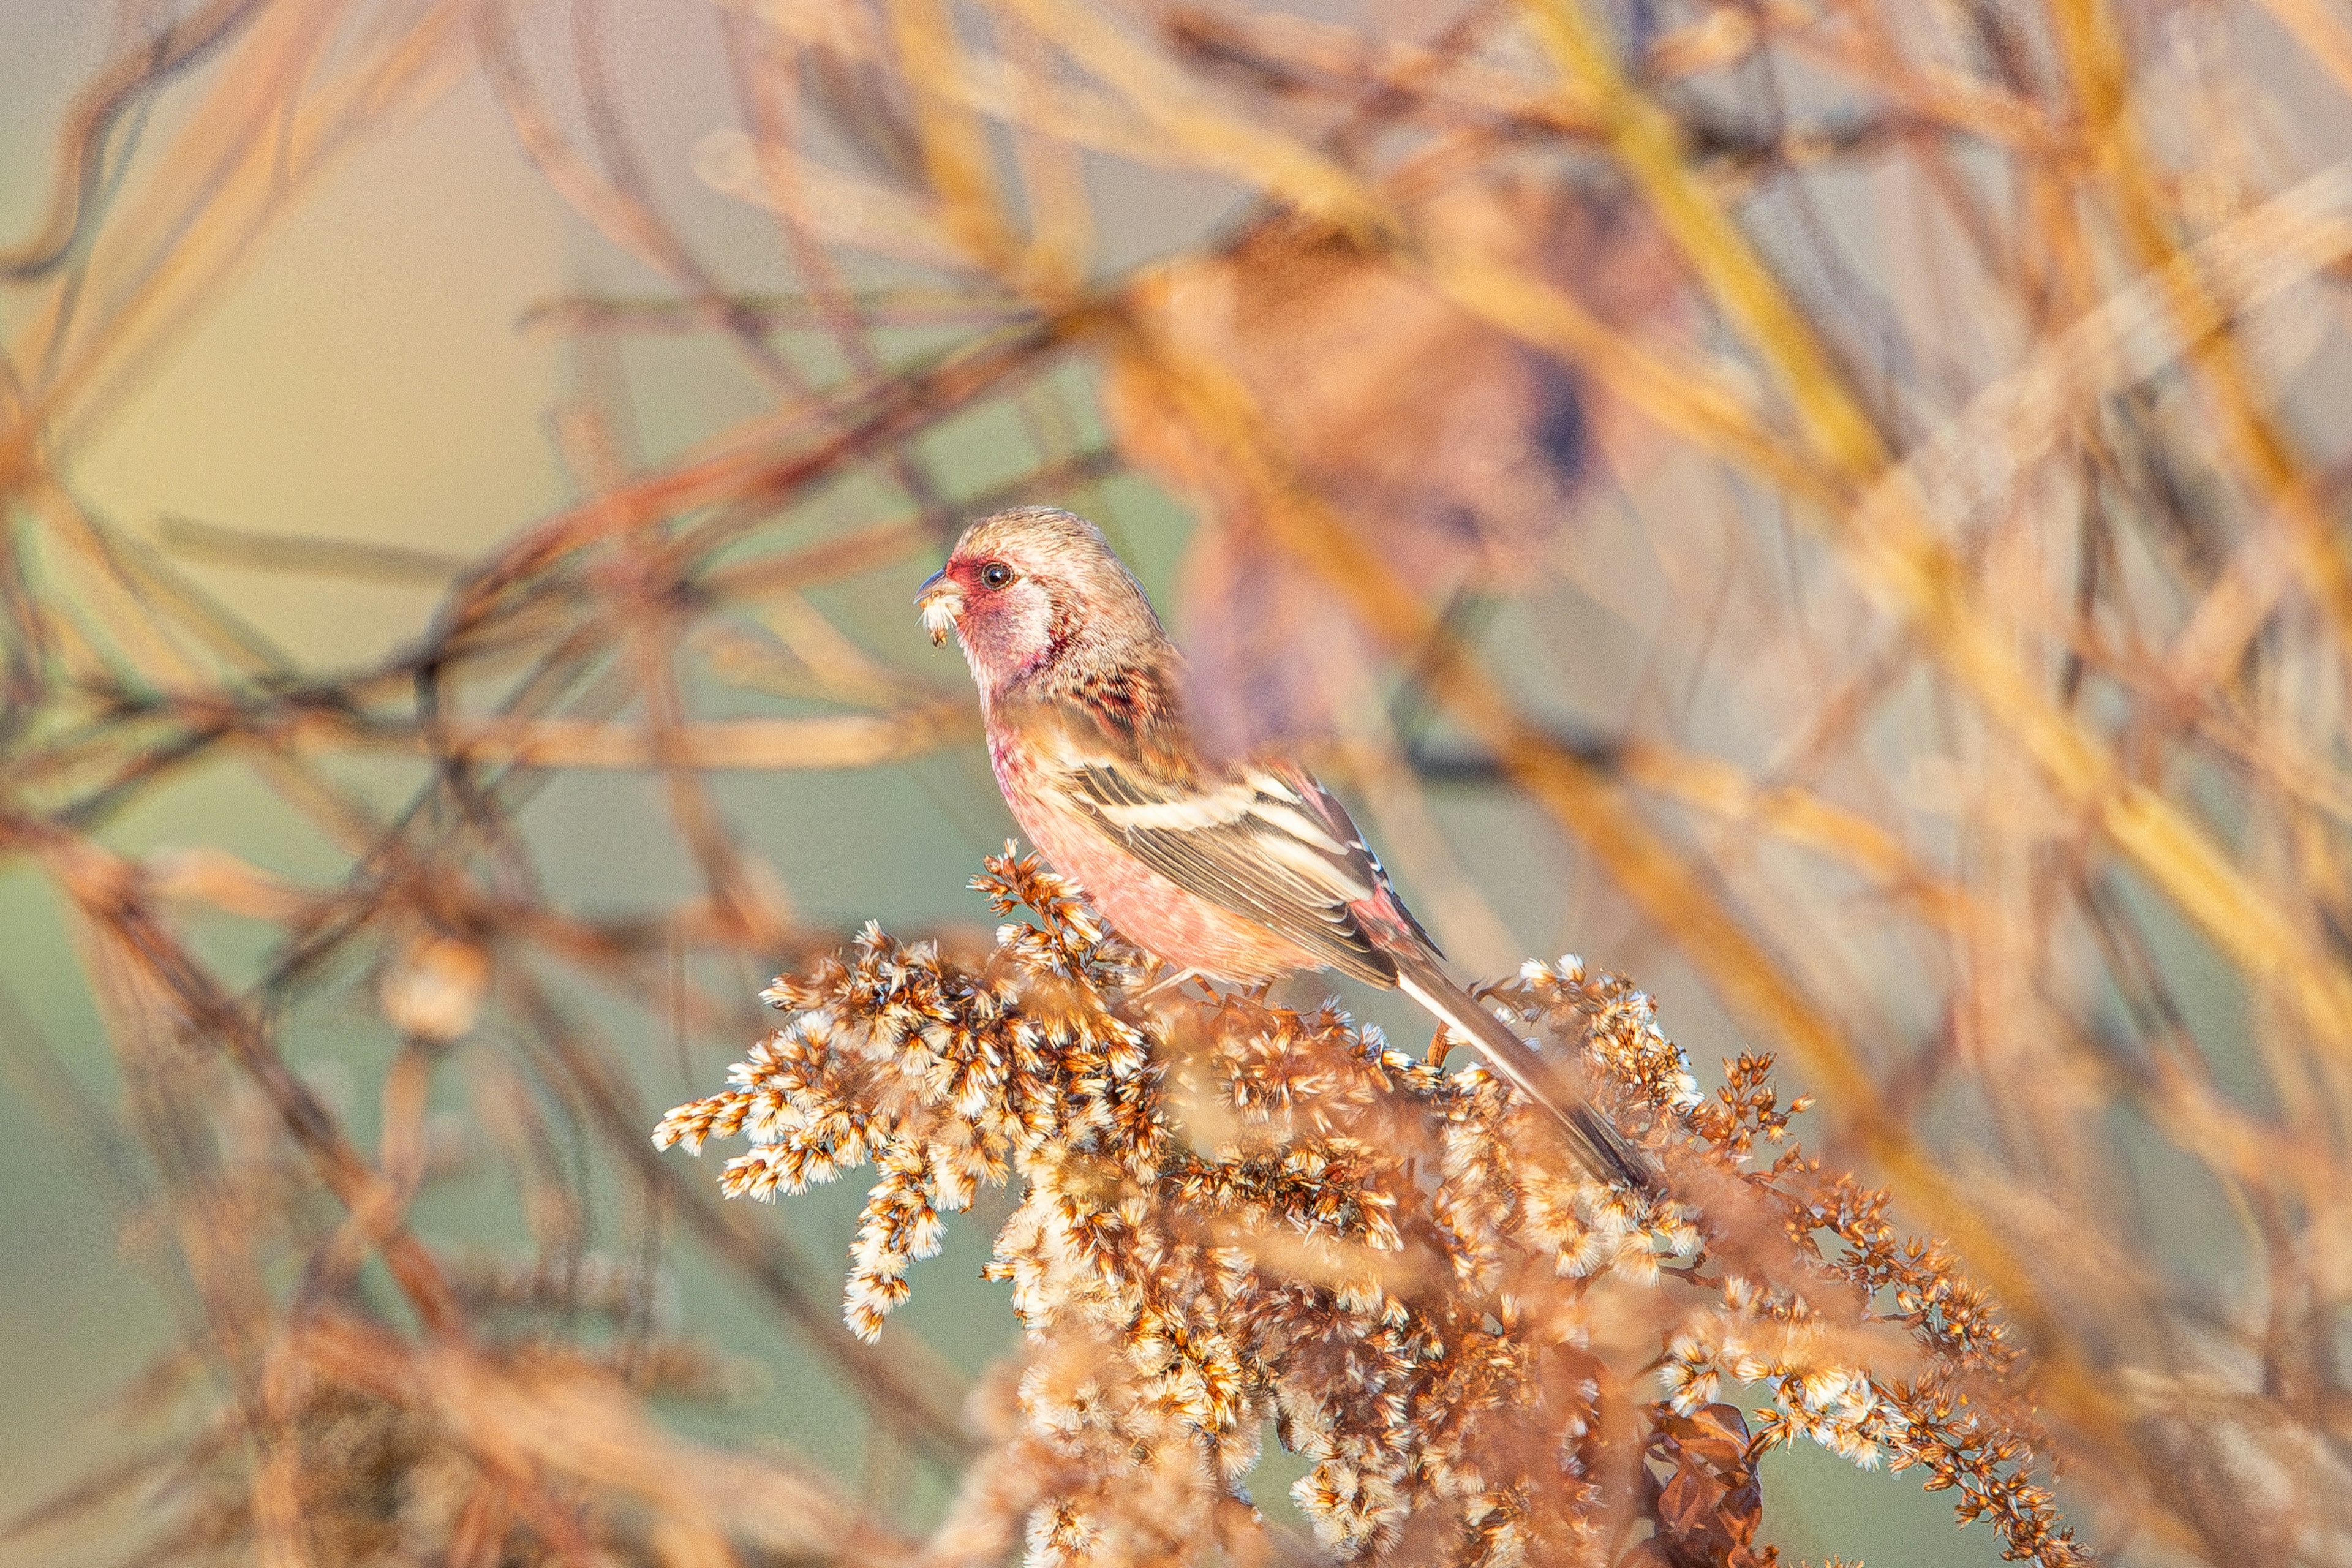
(1599, 1145)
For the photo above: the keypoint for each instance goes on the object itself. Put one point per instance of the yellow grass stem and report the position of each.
(2319, 29)
(955, 149)
(2261, 448)
(1891, 545)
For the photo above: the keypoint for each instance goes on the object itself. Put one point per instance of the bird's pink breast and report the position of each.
(1146, 908)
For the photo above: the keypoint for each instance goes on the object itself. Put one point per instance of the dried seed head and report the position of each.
(1234, 1214)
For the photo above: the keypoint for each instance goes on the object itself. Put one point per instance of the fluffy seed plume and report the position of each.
(1236, 1216)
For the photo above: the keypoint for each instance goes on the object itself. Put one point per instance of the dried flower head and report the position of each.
(1236, 1214)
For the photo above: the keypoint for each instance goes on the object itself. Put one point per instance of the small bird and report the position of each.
(1237, 871)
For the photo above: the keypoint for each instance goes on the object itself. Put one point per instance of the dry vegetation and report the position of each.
(1234, 1215)
(1924, 408)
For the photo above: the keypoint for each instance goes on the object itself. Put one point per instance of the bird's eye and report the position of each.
(995, 574)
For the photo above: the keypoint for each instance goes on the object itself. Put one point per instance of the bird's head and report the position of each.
(1033, 591)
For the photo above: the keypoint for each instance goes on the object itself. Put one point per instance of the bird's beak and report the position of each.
(942, 600)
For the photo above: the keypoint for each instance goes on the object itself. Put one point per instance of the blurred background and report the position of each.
(1833, 510)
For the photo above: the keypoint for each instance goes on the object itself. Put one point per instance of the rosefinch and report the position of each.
(1239, 872)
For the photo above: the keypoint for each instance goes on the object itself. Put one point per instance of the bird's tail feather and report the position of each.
(1598, 1144)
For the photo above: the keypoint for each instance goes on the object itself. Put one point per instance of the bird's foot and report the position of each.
(1439, 1046)
(1166, 979)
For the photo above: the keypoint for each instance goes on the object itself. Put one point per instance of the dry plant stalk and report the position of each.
(1233, 1216)
(1924, 610)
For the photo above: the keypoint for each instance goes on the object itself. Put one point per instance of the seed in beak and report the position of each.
(942, 600)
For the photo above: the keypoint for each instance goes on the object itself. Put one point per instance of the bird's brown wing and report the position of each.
(1384, 912)
(1268, 843)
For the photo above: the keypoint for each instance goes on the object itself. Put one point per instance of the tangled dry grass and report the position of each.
(1853, 488)
(1234, 1216)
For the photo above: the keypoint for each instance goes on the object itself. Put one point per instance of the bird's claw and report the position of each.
(1165, 978)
